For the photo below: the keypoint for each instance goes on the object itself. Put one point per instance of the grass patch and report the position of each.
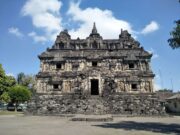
(10, 113)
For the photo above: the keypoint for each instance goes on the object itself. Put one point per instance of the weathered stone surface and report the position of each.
(132, 104)
(103, 118)
(95, 76)
(70, 65)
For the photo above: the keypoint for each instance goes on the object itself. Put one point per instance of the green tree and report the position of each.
(19, 94)
(174, 41)
(20, 78)
(2, 72)
(5, 97)
(2, 79)
(5, 81)
(27, 80)
(165, 90)
(10, 81)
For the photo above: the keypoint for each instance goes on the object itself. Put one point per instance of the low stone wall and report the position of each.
(136, 104)
(121, 103)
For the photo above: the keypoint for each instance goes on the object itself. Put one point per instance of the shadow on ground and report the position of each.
(144, 126)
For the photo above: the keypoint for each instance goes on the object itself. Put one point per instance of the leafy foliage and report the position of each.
(165, 90)
(5, 97)
(5, 81)
(20, 78)
(10, 81)
(174, 41)
(9, 91)
(19, 93)
(2, 72)
(25, 80)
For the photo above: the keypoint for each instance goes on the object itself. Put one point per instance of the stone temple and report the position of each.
(95, 76)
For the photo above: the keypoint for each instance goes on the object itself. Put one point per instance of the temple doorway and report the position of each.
(94, 87)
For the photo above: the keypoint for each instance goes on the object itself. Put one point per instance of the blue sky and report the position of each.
(28, 27)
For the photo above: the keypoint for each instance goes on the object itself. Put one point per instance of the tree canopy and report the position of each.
(20, 78)
(2, 72)
(12, 92)
(174, 41)
(25, 80)
(19, 93)
(5, 97)
(5, 81)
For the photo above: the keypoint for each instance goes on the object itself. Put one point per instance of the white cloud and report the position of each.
(10, 74)
(155, 55)
(153, 26)
(157, 87)
(37, 38)
(45, 16)
(15, 31)
(108, 26)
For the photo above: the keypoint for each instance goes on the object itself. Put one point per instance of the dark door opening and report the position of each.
(94, 87)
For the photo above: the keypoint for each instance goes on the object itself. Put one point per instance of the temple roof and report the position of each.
(94, 30)
(64, 41)
(125, 46)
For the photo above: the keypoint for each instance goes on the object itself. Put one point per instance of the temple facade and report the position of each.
(95, 76)
(95, 65)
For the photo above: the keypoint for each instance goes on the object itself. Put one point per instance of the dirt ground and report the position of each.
(46, 125)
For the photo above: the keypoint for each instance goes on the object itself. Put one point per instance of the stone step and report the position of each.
(91, 118)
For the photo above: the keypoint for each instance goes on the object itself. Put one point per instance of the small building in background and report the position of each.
(173, 104)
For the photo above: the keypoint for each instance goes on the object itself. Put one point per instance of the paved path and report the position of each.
(45, 125)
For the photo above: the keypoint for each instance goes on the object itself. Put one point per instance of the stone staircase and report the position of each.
(96, 105)
(82, 117)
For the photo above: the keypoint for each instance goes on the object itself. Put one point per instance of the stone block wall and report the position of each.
(122, 104)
